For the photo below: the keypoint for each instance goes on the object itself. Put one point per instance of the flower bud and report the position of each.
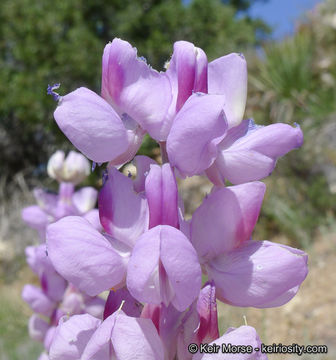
(75, 168)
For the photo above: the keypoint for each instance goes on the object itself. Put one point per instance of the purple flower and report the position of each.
(38, 300)
(200, 323)
(246, 272)
(72, 241)
(71, 337)
(198, 129)
(51, 207)
(118, 337)
(37, 328)
(189, 73)
(170, 273)
(244, 153)
(135, 99)
(126, 217)
(249, 152)
(123, 213)
(53, 285)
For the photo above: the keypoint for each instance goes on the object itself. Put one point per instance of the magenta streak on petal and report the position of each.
(112, 77)
(207, 310)
(186, 76)
(162, 196)
(44, 283)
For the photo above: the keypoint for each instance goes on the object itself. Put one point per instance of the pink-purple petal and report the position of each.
(142, 164)
(253, 156)
(197, 130)
(119, 335)
(71, 337)
(134, 88)
(92, 125)
(37, 327)
(171, 272)
(226, 219)
(38, 300)
(85, 199)
(83, 256)
(258, 274)
(228, 76)
(123, 213)
(245, 336)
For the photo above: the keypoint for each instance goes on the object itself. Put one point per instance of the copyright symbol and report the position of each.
(192, 348)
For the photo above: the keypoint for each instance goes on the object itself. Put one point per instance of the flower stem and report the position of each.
(164, 155)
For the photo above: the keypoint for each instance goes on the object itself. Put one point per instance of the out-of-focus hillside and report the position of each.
(294, 81)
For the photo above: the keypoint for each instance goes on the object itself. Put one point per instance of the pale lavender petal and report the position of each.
(235, 133)
(228, 76)
(123, 213)
(71, 337)
(197, 130)
(171, 272)
(119, 335)
(73, 303)
(36, 257)
(181, 264)
(131, 332)
(283, 298)
(135, 135)
(92, 217)
(83, 256)
(254, 156)
(92, 125)
(143, 280)
(52, 283)
(243, 166)
(46, 200)
(85, 199)
(131, 307)
(49, 337)
(37, 300)
(43, 356)
(37, 328)
(244, 335)
(226, 219)
(273, 140)
(36, 218)
(134, 88)
(162, 196)
(258, 274)
(95, 306)
(142, 164)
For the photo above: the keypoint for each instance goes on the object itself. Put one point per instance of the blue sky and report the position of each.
(281, 14)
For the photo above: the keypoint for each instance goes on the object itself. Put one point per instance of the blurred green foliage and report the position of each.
(294, 81)
(45, 42)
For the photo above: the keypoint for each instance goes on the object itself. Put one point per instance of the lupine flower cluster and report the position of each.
(163, 273)
(56, 297)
